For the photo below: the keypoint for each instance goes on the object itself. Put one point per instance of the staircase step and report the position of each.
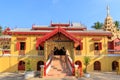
(58, 68)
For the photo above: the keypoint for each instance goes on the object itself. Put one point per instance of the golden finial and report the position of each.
(108, 11)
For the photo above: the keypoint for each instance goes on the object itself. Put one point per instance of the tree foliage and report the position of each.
(97, 25)
(117, 24)
(0, 30)
(86, 63)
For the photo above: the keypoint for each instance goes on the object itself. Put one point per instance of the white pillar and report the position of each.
(42, 71)
(76, 71)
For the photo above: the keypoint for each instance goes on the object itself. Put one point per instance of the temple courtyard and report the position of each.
(94, 76)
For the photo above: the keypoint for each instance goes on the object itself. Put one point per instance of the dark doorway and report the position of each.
(114, 65)
(39, 64)
(97, 65)
(21, 65)
(61, 51)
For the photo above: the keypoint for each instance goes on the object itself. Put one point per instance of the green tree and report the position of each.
(117, 24)
(28, 65)
(0, 30)
(97, 25)
(86, 63)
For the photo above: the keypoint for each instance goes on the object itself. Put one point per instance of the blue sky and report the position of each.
(24, 13)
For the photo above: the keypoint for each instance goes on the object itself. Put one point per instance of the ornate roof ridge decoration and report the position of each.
(59, 30)
(54, 32)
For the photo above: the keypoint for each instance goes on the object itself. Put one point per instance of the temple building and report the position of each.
(60, 44)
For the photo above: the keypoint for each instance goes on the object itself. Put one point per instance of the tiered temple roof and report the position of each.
(72, 29)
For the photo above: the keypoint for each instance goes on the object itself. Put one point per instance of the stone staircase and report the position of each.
(59, 68)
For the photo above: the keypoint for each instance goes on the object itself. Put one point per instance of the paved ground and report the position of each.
(94, 76)
(102, 76)
(11, 76)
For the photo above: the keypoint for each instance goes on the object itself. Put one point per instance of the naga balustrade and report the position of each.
(70, 64)
(47, 66)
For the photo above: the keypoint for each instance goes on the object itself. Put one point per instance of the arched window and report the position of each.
(97, 65)
(39, 63)
(114, 65)
(21, 65)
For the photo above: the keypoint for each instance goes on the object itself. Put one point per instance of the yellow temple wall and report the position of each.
(10, 63)
(88, 46)
(88, 50)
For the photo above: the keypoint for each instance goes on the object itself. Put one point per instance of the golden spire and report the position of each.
(108, 10)
(109, 25)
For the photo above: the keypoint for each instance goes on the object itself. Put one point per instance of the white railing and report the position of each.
(113, 55)
(113, 51)
(5, 52)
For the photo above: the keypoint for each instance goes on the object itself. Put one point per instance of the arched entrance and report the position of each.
(21, 65)
(114, 65)
(78, 63)
(79, 67)
(61, 51)
(97, 65)
(39, 63)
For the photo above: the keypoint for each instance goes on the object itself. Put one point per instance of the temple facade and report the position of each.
(38, 46)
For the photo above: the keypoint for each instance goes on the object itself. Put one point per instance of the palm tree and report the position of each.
(117, 24)
(86, 63)
(97, 25)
